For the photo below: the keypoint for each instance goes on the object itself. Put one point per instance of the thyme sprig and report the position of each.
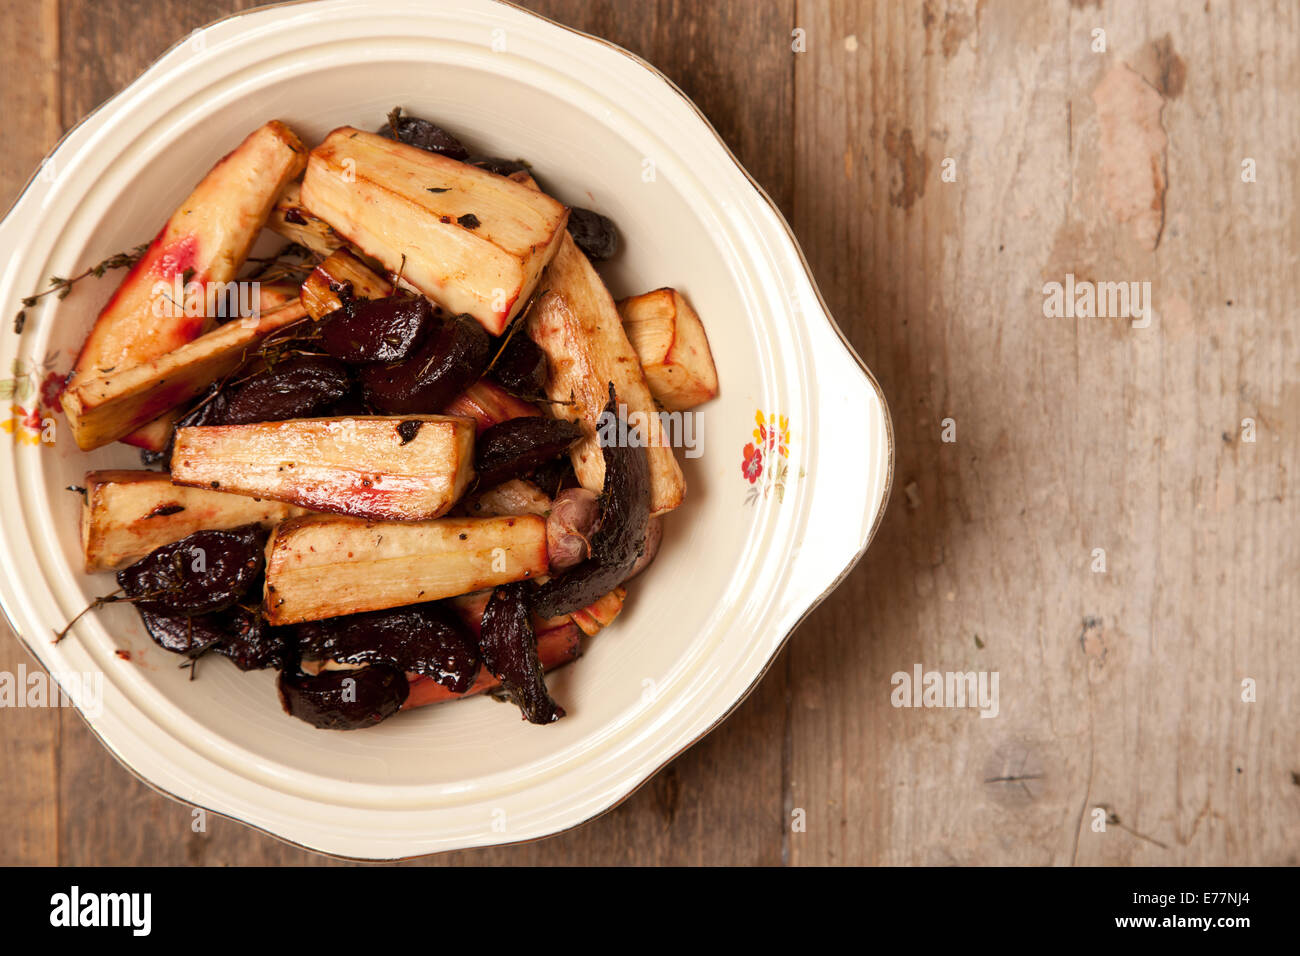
(61, 286)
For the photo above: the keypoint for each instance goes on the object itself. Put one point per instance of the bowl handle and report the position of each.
(854, 462)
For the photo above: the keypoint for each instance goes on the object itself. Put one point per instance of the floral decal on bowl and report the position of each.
(766, 461)
(33, 394)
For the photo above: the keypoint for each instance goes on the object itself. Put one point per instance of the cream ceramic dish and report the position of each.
(742, 562)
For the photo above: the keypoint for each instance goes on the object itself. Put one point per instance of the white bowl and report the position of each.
(737, 571)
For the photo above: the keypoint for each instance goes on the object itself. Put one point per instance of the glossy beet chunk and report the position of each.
(593, 233)
(207, 571)
(423, 134)
(520, 367)
(516, 446)
(620, 534)
(293, 388)
(237, 633)
(509, 647)
(495, 164)
(422, 638)
(452, 358)
(188, 634)
(252, 644)
(381, 330)
(344, 700)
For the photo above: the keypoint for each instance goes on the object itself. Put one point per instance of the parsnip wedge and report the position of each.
(101, 410)
(398, 469)
(127, 514)
(473, 242)
(576, 324)
(157, 435)
(290, 220)
(674, 351)
(601, 612)
(319, 567)
(319, 293)
(206, 241)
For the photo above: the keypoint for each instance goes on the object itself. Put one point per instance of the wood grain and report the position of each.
(1120, 691)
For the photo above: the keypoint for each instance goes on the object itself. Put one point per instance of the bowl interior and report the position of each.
(676, 613)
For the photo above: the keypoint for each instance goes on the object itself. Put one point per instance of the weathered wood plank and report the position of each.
(1119, 690)
(29, 738)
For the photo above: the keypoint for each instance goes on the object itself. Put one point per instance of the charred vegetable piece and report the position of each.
(344, 700)
(520, 367)
(252, 644)
(495, 164)
(424, 639)
(515, 447)
(556, 646)
(204, 572)
(293, 388)
(620, 534)
(454, 356)
(422, 134)
(382, 330)
(509, 647)
(184, 633)
(593, 233)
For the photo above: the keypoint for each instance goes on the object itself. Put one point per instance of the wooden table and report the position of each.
(941, 163)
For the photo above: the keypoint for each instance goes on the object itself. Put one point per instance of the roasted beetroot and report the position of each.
(620, 534)
(344, 700)
(593, 233)
(422, 638)
(292, 388)
(454, 355)
(380, 330)
(207, 571)
(509, 647)
(520, 367)
(422, 134)
(516, 446)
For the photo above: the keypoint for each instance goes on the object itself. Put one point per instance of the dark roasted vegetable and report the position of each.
(344, 700)
(520, 367)
(382, 330)
(620, 535)
(422, 134)
(422, 638)
(252, 644)
(593, 233)
(495, 164)
(518, 445)
(454, 355)
(509, 647)
(184, 633)
(292, 388)
(204, 572)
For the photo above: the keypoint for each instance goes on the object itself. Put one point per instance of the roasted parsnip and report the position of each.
(101, 410)
(206, 241)
(400, 469)
(290, 220)
(473, 242)
(576, 324)
(324, 566)
(127, 514)
(320, 294)
(674, 351)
